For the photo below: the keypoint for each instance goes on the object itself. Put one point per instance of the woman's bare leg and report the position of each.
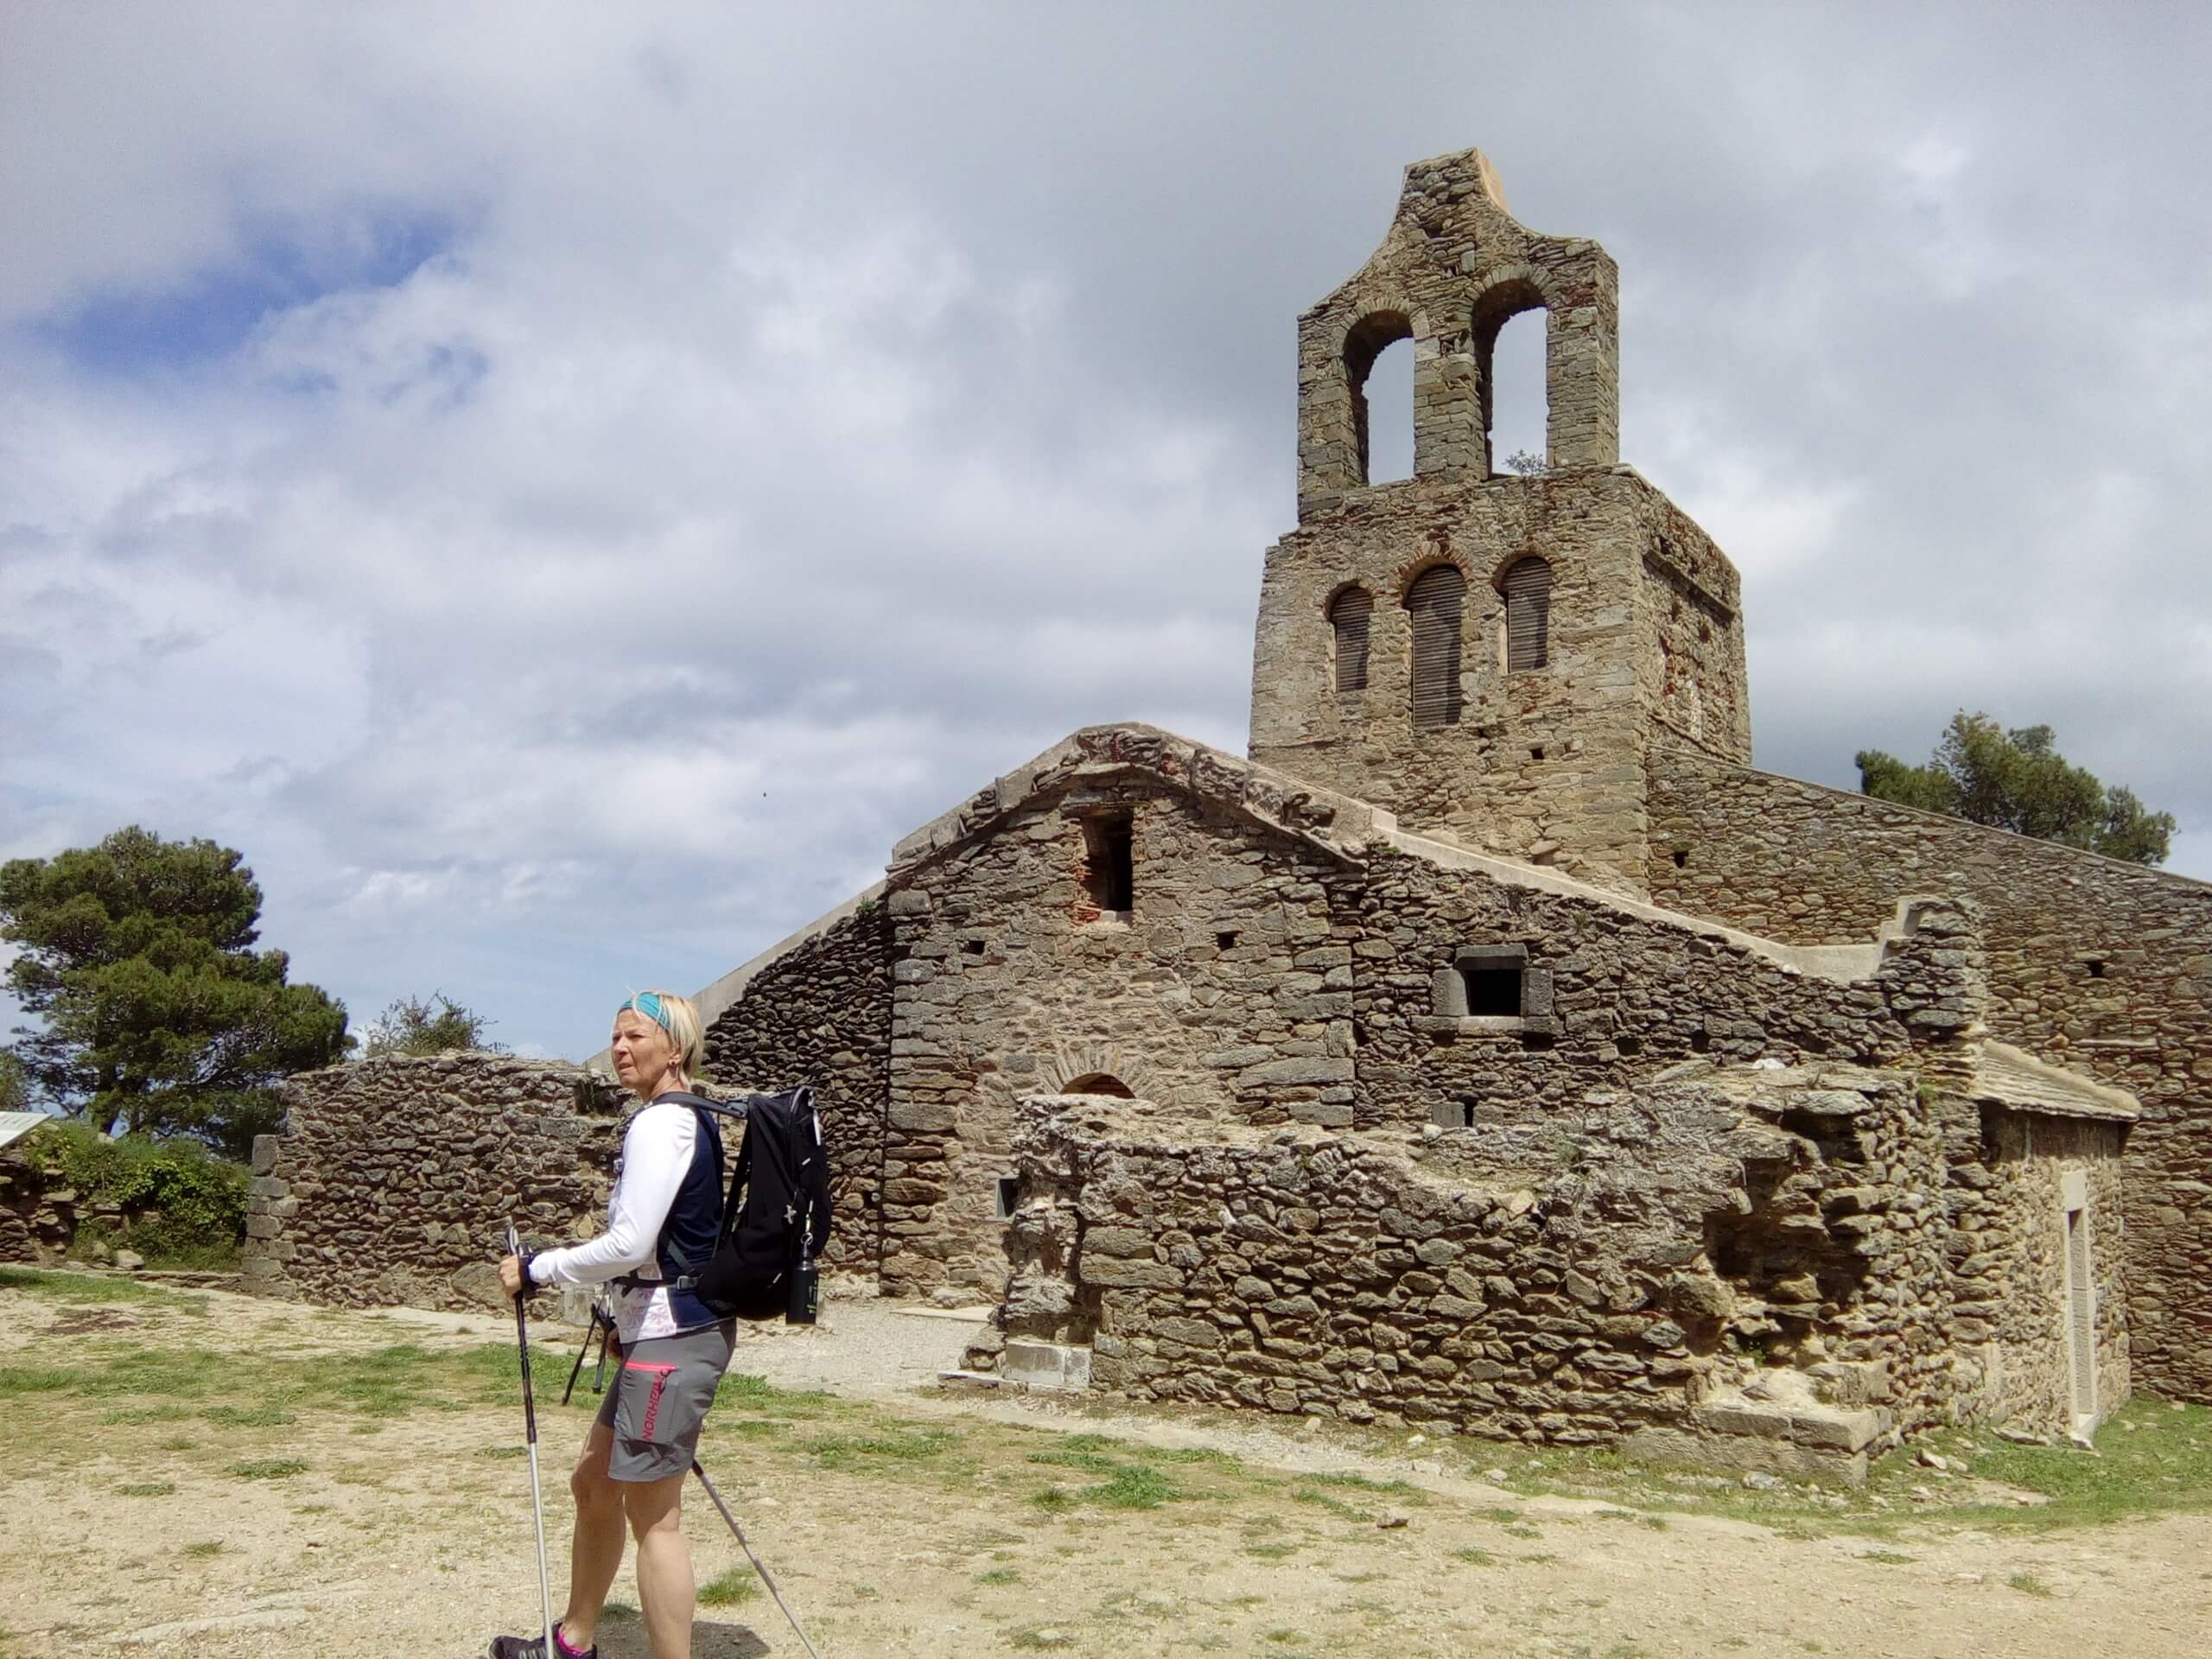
(666, 1594)
(595, 1551)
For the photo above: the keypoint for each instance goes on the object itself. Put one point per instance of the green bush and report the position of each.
(181, 1207)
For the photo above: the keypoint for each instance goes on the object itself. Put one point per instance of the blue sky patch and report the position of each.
(208, 312)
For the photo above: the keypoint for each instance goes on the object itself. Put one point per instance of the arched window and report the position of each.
(1434, 603)
(1348, 617)
(1528, 589)
(1370, 338)
(1099, 1083)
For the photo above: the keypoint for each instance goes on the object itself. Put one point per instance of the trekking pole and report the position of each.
(599, 1375)
(529, 1426)
(759, 1566)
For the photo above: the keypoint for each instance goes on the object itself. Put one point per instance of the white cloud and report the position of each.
(608, 477)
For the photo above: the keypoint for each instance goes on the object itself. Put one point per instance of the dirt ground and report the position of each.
(212, 1475)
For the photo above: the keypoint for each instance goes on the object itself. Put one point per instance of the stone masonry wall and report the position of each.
(2094, 965)
(821, 1015)
(1543, 764)
(1615, 999)
(394, 1179)
(1218, 992)
(1633, 1262)
(38, 1213)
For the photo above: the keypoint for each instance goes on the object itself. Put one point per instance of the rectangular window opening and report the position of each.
(1109, 863)
(1009, 1195)
(1491, 991)
(973, 947)
(1225, 941)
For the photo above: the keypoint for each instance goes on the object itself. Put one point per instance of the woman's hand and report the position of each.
(511, 1275)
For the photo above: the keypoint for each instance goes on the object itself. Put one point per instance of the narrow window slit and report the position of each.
(1109, 863)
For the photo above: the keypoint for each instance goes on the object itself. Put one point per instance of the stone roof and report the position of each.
(2005, 1076)
(1336, 823)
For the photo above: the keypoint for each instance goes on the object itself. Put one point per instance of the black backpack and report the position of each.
(775, 1218)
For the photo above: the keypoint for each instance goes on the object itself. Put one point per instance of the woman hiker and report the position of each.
(665, 1213)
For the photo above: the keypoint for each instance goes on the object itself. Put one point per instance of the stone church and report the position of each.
(1492, 1046)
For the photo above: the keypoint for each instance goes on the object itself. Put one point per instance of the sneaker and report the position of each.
(533, 1647)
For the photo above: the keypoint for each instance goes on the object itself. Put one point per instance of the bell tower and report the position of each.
(1493, 656)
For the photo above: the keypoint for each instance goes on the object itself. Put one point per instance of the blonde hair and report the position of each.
(675, 1015)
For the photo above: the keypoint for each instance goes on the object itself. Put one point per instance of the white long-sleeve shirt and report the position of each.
(657, 1150)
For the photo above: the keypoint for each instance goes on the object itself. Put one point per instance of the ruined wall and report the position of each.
(2094, 965)
(821, 1015)
(1635, 1262)
(1618, 999)
(38, 1213)
(1544, 764)
(2006, 1202)
(394, 1179)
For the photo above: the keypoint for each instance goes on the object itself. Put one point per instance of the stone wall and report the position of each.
(1616, 998)
(2094, 965)
(1219, 990)
(820, 1013)
(38, 1212)
(1728, 1254)
(394, 1179)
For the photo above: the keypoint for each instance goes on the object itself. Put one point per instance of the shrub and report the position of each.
(181, 1205)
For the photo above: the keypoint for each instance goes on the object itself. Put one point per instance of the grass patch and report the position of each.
(730, 1589)
(999, 1575)
(145, 1414)
(266, 1415)
(1134, 1489)
(62, 1286)
(1362, 1484)
(1475, 1557)
(202, 1552)
(503, 1451)
(267, 1468)
(1890, 1557)
(894, 1446)
(2028, 1583)
(146, 1488)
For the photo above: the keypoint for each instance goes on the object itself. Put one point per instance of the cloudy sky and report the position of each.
(564, 490)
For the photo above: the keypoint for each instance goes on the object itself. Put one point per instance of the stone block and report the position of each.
(1837, 1430)
(1138, 1275)
(1061, 1367)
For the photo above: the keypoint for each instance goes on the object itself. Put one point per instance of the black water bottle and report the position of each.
(807, 1292)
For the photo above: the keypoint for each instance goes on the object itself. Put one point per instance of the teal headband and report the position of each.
(646, 1003)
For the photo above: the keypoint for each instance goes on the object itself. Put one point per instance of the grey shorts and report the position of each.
(659, 1401)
